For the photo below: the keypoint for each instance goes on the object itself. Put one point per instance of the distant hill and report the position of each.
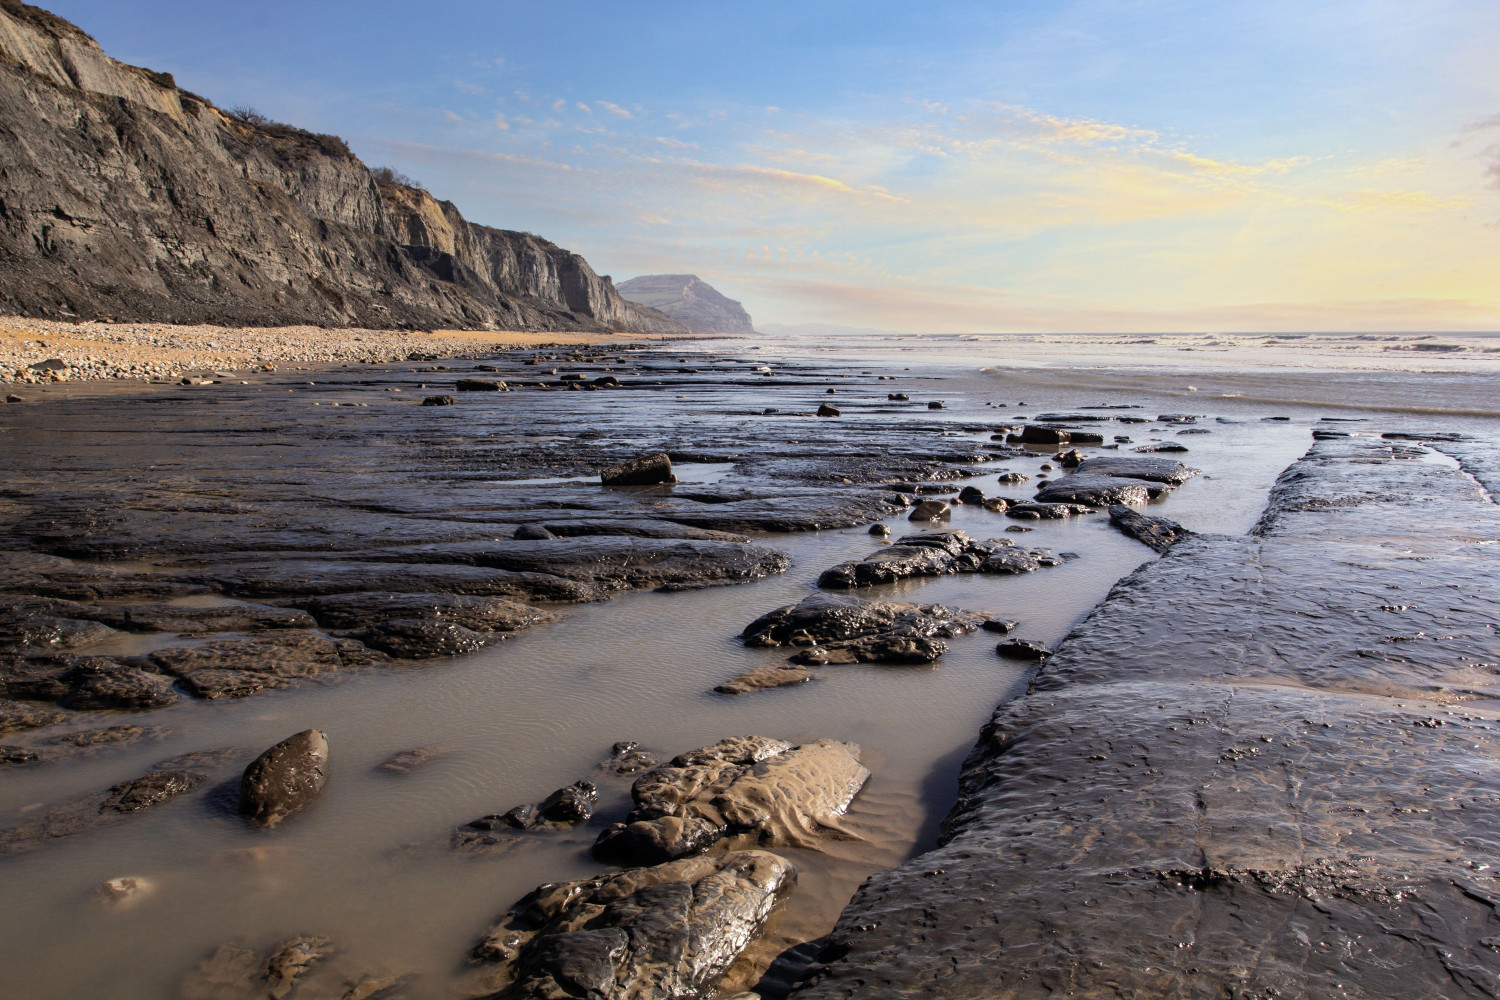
(123, 196)
(690, 300)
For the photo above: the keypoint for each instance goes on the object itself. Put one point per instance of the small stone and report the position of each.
(444, 400)
(880, 530)
(13, 398)
(122, 890)
(1000, 625)
(479, 385)
(936, 404)
(828, 411)
(532, 533)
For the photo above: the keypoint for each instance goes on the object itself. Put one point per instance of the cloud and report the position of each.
(584, 108)
(614, 109)
(501, 123)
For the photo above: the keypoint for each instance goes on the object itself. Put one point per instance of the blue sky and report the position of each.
(1129, 165)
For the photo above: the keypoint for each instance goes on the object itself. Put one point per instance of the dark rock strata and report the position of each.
(831, 628)
(935, 553)
(1249, 773)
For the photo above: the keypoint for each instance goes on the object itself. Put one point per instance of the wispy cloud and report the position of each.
(614, 109)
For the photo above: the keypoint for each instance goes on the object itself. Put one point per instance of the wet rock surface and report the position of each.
(1160, 533)
(235, 668)
(285, 778)
(1156, 470)
(1096, 490)
(833, 628)
(666, 931)
(568, 806)
(1308, 811)
(768, 789)
(935, 553)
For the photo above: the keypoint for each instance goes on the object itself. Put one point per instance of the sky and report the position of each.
(1048, 165)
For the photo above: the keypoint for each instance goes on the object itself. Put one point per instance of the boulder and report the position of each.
(481, 385)
(443, 400)
(743, 785)
(930, 510)
(1046, 511)
(668, 931)
(645, 470)
(826, 410)
(531, 532)
(1043, 434)
(285, 778)
(971, 495)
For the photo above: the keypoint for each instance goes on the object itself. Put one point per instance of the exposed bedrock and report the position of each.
(1156, 470)
(1159, 533)
(779, 793)
(1094, 490)
(834, 628)
(934, 553)
(1250, 772)
(667, 931)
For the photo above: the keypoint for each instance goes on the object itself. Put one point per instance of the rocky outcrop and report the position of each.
(123, 196)
(667, 931)
(690, 300)
(936, 553)
(1263, 767)
(835, 628)
(781, 794)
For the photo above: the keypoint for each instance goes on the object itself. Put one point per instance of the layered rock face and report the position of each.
(124, 197)
(690, 300)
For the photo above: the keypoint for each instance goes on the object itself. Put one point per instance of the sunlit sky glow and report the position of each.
(1129, 165)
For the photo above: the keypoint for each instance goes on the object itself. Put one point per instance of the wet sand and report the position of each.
(210, 485)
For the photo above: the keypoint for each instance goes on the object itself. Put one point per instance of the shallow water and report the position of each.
(368, 865)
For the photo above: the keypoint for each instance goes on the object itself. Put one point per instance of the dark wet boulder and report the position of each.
(1053, 511)
(531, 532)
(1070, 459)
(606, 381)
(930, 510)
(350, 611)
(1160, 446)
(971, 495)
(480, 385)
(424, 639)
(1012, 478)
(1159, 533)
(646, 470)
(831, 628)
(828, 410)
(930, 553)
(1043, 434)
(669, 931)
(880, 530)
(898, 397)
(285, 778)
(1156, 470)
(1022, 649)
(627, 757)
(935, 404)
(235, 668)
(782, 794)
(998, 505)
(1092, 490)
(103, 684)
(1001, 625)
(765, 678)
(16, 717)
(570, 805)
(440, 400)
(1178, 418)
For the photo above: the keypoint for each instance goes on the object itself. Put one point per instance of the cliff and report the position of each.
(125, 197)
(690, 300)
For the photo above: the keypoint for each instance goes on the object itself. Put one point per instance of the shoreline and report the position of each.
(104, 352)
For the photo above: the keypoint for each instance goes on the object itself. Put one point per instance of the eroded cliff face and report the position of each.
(690, 300)
(124, 197)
